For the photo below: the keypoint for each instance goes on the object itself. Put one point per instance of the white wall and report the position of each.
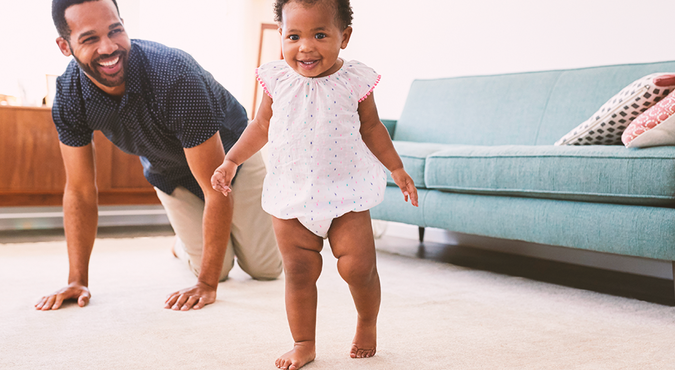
(404, 40)
(29, 50)
(222, 35)
(217, 33)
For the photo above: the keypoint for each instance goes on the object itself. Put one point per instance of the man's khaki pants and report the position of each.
(252, 239)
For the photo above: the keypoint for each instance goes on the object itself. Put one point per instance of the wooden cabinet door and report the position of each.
(31, 168)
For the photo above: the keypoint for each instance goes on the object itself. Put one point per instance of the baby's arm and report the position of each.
(252, 139)
(376, 137)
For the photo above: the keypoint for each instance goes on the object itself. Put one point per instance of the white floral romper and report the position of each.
(319, 167)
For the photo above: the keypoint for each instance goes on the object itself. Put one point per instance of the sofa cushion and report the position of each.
(606, 125)
(479, 110)
(654, 127)
(413, 155)
(608, 174)
(612, 228)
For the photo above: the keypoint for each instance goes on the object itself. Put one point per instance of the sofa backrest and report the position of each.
(532, 108)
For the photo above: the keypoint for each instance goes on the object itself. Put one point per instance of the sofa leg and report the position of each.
(421, 235)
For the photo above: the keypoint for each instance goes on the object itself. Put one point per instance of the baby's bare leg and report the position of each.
(351, 239)
(300, 251)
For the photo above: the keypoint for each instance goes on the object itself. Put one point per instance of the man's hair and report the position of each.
(59, 14)
(343, 11)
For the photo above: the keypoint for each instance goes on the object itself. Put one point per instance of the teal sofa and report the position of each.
(481, 152)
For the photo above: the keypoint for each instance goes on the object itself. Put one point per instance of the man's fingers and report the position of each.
(171, 300)
(194, 297)
(48, 304)
(58, 301)
(40, 303)
(199, 304)
(71, 292)
(190, 303)
(180, 302)
(83, 300)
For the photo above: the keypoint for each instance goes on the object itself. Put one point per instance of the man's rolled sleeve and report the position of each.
(193, 110)
(69, 119)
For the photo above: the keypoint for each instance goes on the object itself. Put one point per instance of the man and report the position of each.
(157, 103)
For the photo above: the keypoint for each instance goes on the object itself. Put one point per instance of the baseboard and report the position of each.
(627, 264)
(34, 218)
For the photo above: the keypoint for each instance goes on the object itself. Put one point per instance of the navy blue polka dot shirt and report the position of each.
(170, 103)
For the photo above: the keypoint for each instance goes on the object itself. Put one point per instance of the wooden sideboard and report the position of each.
(31, 169)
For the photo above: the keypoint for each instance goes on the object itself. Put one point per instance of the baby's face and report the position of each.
(312, 39)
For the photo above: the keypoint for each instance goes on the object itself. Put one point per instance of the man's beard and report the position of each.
(109, 81)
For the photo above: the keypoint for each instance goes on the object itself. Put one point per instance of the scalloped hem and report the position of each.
(262, 83)
(371, 89)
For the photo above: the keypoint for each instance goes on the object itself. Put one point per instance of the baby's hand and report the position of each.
(222, 177)
(406, 184)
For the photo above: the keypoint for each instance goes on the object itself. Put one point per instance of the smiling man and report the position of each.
(160, 104)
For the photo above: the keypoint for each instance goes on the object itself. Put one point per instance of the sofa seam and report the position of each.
(546, 71)
(548, 100)
(441, 187)
(433, 156)
(423, 208)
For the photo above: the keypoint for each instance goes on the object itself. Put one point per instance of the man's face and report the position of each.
(99, 44)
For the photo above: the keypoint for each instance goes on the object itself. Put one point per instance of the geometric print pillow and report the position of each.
(606, 126)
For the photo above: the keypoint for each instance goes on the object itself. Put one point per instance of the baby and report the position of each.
(327, 146)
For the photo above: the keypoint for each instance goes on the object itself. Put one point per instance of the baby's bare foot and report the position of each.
(365, 341)
(301, 354)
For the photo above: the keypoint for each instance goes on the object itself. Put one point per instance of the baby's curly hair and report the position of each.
(343, 10)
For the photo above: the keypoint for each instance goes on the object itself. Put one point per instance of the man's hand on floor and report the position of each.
(194, 297)
(72, 291)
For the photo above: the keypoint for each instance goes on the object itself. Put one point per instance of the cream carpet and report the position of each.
(433, 316)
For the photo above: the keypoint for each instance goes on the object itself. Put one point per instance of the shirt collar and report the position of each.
(134, 71)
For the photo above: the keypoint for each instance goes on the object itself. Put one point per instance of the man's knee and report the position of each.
(270, 273)
(269, 268)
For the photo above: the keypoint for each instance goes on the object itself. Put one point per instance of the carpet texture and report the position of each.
(433, 316)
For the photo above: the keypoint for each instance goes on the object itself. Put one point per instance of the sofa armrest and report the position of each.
(390, 124)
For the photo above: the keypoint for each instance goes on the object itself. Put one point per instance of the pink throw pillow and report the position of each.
(606, 125)
(654, 127)
(664, 81)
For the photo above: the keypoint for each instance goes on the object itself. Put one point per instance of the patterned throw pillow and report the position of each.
(608, 123)
(654, 127)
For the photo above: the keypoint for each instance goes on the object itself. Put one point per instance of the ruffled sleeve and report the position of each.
(363, 78)
(268, 74)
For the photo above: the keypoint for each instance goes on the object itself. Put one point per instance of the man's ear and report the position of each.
(346, 34)
(63, 46)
